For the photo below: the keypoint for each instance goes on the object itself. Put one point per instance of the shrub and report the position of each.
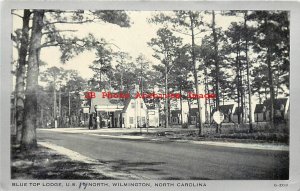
(185, 125)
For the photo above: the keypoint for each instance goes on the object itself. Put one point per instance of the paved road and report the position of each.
(173, 160)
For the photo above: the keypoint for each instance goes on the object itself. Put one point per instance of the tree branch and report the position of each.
(17, 15)
(49, 45)
(71, 22)
(58, 11)
(181, 32)
(59, 31)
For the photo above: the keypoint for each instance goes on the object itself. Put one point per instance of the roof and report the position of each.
(104, 102)
(259, 108)
(175, 113)
(226, 109)
(127, 102)
(193, 111)
(277, 103)
(238, 110)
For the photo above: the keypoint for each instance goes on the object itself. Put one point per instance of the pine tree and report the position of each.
(272, 45)
(166, 47)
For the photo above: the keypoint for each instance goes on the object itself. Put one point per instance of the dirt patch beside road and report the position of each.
(45, 163)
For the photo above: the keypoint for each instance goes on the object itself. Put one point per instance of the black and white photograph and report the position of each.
(150, 95)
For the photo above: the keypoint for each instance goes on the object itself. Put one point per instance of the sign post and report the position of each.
(218, 117)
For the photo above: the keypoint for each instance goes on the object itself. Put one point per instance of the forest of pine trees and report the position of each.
(248, 59)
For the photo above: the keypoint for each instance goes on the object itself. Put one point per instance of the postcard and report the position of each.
(149, 96)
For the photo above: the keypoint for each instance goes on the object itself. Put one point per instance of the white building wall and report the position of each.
(137, 116)
(153, 116)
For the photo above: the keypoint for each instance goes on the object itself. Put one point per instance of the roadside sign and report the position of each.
(218, 117)
(86, 110)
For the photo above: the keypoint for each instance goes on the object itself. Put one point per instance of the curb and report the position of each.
(271, 147)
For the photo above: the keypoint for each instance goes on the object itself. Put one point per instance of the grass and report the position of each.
(44, 163)
(261, 133)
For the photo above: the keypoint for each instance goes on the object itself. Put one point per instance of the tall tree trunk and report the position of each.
(30, 106)
(54, 103)
(196, 75)
(121, 88)
(166, 99)
(241, 92)
(188, 117)
(223, 98)
(42, 117)
(259, 97)
(206, 91)
(270, 80)
(59, 109)
(216, 58)
(20, 84)
(209, 101)
(248, 74)
(181, 110)
(272, 95)
(238, 85)
(141, 82)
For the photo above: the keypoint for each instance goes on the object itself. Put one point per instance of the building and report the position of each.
(281, 110)
(134, 113)
(175, 117)
(108, 110)
(237, 115)
(228, 111)
(120, 113)
(153, 115)
(192, 117)
(260, 113)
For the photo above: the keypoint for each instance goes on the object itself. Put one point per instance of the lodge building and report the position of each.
(122, 113)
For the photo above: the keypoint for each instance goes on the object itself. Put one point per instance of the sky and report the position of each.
(132, 40)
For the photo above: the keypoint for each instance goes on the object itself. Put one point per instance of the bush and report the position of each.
(161, 134)
(185, 125)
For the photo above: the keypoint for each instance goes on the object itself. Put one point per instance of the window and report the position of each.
(132, 105)
(151, 113)
(174, 120)
(130, 120)
(142, 105)
(193, 118)
(143, 120)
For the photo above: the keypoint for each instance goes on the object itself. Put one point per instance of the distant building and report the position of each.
(192, 118)
(260, 113)
(109, 110)
(281, 110)
(175, 117)
(119, 112)
(134, 113)
(237, 114)
(228, 111)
